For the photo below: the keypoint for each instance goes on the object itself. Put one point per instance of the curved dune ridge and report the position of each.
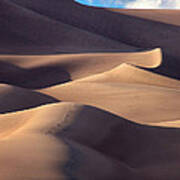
(88, 93)
(44, 71)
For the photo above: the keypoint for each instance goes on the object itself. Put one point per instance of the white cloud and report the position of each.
(167, 4)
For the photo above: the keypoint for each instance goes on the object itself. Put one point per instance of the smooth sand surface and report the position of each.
(88, 93)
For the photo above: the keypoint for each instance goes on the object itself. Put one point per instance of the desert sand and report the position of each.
(88, 93)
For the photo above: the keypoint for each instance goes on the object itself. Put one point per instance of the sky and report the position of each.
(142, 4)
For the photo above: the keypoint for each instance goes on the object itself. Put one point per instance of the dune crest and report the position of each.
(128, 73)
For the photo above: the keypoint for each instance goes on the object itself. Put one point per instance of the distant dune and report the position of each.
(88, 93)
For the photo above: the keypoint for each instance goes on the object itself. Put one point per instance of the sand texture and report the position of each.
(88, 93)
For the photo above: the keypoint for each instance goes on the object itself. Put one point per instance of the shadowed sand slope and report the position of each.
(55, 36)
(88, 93)
(14, 98)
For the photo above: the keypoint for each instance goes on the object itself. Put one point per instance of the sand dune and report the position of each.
(14, 98)
(61, 133)
(134, 102)
(44, 71)
(56, 35)
(128, 73)
(88, 93)
(93, 25)
(161, 15)
(40, 128)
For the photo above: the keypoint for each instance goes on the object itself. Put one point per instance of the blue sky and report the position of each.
(101, 3)
(142, 4)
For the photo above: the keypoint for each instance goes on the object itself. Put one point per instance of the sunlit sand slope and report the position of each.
(135, 102)
(128, 73)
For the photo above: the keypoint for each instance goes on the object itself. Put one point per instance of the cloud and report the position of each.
(160, 4)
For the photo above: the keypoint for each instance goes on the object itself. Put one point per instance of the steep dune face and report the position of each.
(55, 36)
(88, 93)
(84, 19)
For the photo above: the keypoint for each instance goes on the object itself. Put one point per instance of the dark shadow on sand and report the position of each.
(136, 151)
(32, 78)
